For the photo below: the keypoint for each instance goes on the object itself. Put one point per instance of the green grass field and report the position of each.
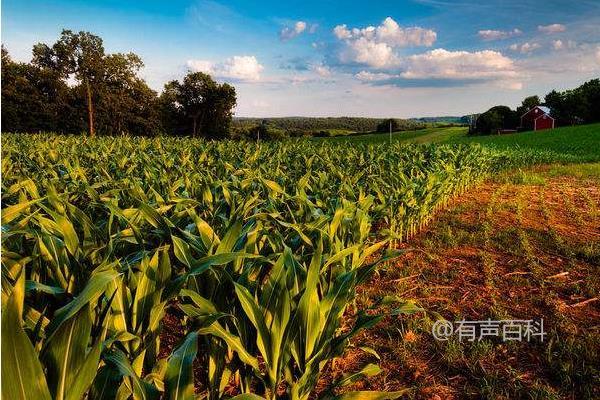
(580, 143)
(428, 135)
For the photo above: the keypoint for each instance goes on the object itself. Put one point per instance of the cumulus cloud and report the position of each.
(552, 28)
(367, 76)
(562, 45)
(390, 33)
(375, 46)
(442, 67)
(369, 52)
(558, 45)
(526, 47)
(236, 68)
(490, 34)
(460, 65)
(288, 33)
(322, 70)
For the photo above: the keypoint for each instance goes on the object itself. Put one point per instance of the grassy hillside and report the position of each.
(579, 142)
(428, 135)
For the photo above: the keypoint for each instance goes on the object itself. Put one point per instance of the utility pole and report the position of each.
(390, 131)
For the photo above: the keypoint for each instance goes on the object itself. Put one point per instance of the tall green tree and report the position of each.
(498, 117)
(527, 104)
(79, 55)
(386, 124)
(125, 103)
(198, 105)
(34, 99)
(589, 96)
(117, 100)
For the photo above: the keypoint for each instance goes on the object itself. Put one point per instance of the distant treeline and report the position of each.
(320, 126)
(454, 120)
(577, 106)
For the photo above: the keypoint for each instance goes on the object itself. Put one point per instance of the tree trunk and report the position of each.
(194, 129)
(88, 89)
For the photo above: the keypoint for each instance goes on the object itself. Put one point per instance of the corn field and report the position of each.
(257, 249)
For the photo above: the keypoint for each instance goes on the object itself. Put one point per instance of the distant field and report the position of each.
(579, 143)
(428, 135)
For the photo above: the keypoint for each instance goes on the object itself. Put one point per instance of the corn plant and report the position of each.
(257, 249)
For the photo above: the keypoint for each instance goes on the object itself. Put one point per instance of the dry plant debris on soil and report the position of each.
(503, 251)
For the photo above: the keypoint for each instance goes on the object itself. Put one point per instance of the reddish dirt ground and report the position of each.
(502, 251)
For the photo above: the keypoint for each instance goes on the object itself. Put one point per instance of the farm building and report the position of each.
(536, 119)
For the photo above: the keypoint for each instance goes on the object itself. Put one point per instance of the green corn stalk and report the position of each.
(261, 247)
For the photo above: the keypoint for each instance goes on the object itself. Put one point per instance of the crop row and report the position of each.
(256, 249)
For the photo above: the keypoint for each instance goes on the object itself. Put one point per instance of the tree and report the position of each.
(33, 99)
(125, 103)
(198, 105)
(80, 55)
(384, 126)
(117, 100)
(589, 98)
(498, 117)
(527, 104)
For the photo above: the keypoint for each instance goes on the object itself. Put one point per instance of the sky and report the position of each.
(403, 58)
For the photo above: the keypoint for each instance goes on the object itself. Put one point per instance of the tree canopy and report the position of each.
(498, 117)
(198, 105)
(527, 104)
(74, 86)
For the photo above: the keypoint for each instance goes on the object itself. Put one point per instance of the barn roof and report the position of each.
(545, 109)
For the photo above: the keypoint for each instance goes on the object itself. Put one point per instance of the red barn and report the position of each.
(536, 119)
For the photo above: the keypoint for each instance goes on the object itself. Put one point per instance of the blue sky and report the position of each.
(332, 58)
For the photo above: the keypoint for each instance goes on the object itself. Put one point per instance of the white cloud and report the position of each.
(553, 28)
(562, 45)
(526, 47)
(201, 66)
(367, 76)
(441, 67)
(510, 85)
(342, 32)
(490, 34)
(369, 52)
(389, 32)
(288, 33)
(558, 45)
(374, 46)
(459, 65)
(322, 70)
(236, 68)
